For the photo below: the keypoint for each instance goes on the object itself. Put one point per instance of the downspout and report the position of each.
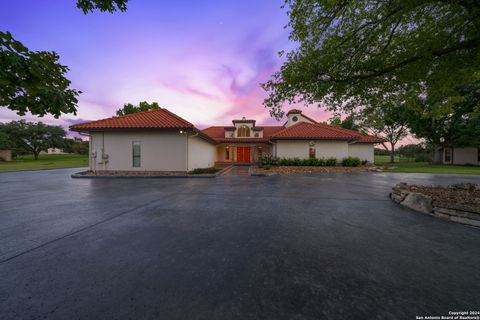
(90, 156)
(196, 134)
(103, 150)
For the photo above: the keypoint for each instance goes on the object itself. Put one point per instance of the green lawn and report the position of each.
(425, 167)
(46, 161)
(386, 159)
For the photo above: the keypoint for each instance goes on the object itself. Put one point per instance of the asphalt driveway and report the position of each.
(236, 247)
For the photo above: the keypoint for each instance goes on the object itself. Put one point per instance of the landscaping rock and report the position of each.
(465, 186)
(418, 202)
(458, 203)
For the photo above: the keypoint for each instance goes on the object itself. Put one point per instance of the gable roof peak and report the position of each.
(294, 111)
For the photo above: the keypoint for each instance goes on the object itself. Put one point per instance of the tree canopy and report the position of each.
(350, 122)
(34, 137)
(129, 108)
(389, 122)
(34, 81)
(458, 125)
(353, 53)
(102, 5)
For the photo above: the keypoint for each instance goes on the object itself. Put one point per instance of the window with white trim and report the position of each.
(448, 155)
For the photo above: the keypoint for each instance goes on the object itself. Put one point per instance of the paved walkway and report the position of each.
(237, 171)
(329, 246)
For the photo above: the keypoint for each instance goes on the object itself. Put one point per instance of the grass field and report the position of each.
(425, 167)
(386, 159)
(46, 161)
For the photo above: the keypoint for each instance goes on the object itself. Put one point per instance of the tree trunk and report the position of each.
(436, 157)
(392, 153)
(35, 154)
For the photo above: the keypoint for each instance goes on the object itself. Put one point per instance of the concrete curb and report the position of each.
(224, 170)
(253, 173)
(46, 169)
(81, 175)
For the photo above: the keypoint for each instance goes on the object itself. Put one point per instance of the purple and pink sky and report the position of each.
(203, 60)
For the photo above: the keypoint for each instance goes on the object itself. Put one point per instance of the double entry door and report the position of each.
(243, 154)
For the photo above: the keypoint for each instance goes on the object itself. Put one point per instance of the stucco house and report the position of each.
(159, 140)
(457, 155)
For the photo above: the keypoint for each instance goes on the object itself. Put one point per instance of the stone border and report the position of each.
(422, 203)
(371, 169)
(83, 175)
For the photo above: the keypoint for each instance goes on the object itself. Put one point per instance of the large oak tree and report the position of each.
(34, 137)
(34, 81)
(357, 53)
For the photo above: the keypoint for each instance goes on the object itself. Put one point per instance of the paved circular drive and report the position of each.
(234, 247)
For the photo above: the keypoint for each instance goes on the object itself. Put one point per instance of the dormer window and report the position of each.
(295, 119)
(243, 131)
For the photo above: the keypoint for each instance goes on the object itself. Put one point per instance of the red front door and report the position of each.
(243, 154)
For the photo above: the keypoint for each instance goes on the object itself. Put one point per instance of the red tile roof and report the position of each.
(294, 111)
(218, 133)
(152, 119)
(320, 131)
(164, 119)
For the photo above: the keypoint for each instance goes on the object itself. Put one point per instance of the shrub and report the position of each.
(423, 157)
(351, 162)
(283, 162)
(205, 170)
(331, 162)
(267, 167)
(364, 162)
(305, 162)
(268, 159)
(313, 162)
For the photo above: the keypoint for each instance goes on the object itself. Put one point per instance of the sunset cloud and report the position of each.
(203, 61)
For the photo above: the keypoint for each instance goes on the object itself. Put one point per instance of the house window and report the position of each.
(295, 119)
(227, 153)
(311, 150)
(243, 131)
(447, 155)
(256, 135)
(136, 151)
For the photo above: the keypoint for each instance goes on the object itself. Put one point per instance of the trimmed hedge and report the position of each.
(268, 160)
(351, 162)
(210, 170)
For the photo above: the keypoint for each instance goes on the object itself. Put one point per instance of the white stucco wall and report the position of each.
(465, 156)
(160, 150)
(201, 154)
(300, 117)
(300, 148)
(364, 151)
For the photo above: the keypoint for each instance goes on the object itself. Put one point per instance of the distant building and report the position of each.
(6, 155)
(459, 156)
(53, 151)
